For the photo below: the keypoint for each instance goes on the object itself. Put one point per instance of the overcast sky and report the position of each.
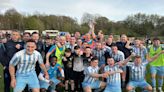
(114, 10)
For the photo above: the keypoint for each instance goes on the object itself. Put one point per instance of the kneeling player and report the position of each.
(53, 81)
(91, 77)
(137, 73)
(114, 78)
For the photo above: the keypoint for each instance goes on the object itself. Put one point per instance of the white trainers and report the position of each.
(160, 90)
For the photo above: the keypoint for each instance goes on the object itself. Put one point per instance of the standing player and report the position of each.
(156, 67)
(118, 56)
(87, 56)
(57, 50)
(68, 70)
(39, 48)
(99, 52)
(78, 69)
(25, 60)
(139, 49)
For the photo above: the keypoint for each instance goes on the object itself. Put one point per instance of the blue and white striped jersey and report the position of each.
(140, 52)
(25, 62)
(88, 71)
(100, 54)
(119, 56)
(113, 78)
(137, 73)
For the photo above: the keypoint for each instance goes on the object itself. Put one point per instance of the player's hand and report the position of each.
(91, 25)
(13, 83)
(108, 73)
(64, 58)
(18, 46)
(47, 64)
(128, 43)
(46, 76)
(105, 75)
(133, 54)
(51, 82)
(119, 71)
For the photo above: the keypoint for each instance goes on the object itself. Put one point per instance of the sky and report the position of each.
(114, 10)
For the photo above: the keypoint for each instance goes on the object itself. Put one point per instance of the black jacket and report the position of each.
(11, 50)
(2, 54)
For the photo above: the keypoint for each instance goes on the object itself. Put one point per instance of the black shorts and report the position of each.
(69, 75)
(78, 76)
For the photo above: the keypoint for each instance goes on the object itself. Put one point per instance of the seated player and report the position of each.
(53, 81)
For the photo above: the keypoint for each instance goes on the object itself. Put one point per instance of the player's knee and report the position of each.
(35, 90)
(149, 88)
(153, 75)
(129, 88)
(103, 84)
(43, 90)
(66, 82)
(87, 89)
(72, 81)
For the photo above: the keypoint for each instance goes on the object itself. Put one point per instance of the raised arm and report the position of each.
(51, 50)
(124, 62)
(128, 45)
(91, 30)
(47, 58)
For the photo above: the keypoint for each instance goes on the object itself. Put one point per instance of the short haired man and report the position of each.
(12, 46)
(25, 61)
(137, 73)
(156, 67)
(91, 77)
